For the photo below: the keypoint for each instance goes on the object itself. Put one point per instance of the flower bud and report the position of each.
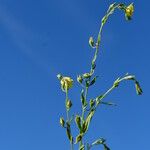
(91, 42)
(86, 75)
(68, 104)
(78, 121)
(79, 79)
(62, 122)
(66, 83)
(129, 11)
(59, 76)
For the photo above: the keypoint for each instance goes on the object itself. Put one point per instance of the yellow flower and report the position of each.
(66, 83)
(129, 11)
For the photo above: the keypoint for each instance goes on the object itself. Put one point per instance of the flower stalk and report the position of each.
(86, 81)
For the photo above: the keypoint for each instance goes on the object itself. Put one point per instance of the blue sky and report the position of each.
(38, 40)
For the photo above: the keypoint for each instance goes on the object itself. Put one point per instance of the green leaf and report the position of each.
(83, 100)
(78, 122)
(79, 138)
(109, 103)
(68, 131)
(87, 121)
(93, 80)
(92, 103)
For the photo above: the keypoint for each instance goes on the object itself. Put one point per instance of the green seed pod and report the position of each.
(62, 122)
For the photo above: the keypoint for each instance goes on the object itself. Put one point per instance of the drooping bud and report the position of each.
(129, 11)
(91, 42)
(62, 122)
(138, 88)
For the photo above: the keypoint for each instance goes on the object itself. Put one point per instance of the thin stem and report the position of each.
(85, 96)
(68, 119)
(110, 89)
(104, 95)
(67, 113)
(83, 111)
(72, 146)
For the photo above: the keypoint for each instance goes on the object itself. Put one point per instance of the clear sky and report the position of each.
(38, 40)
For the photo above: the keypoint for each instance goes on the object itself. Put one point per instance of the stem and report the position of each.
(110, 89)
(67, 113)
(71, 146)
(68, 119)
(83, 110)
(107, 92)
(104, 95)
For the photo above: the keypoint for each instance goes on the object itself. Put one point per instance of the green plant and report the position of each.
(86, 81)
